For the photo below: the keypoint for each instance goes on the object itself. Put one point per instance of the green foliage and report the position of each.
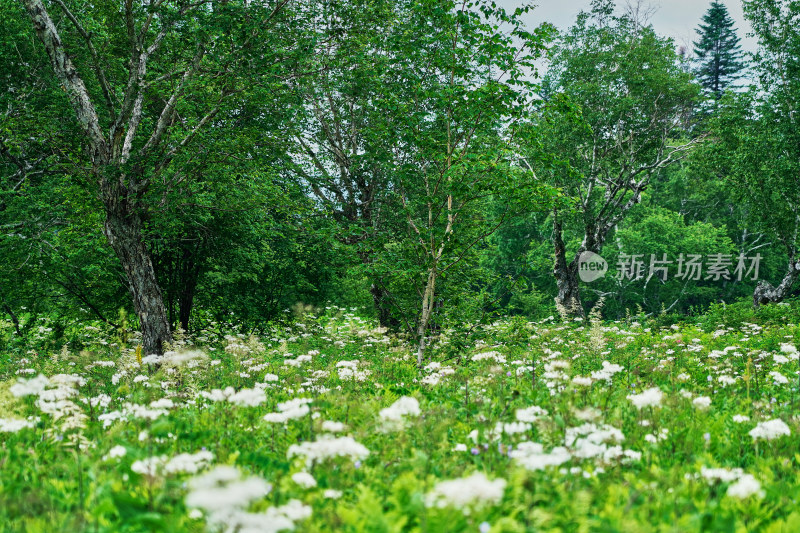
(618, 91)
(663, 233)
(738, 314)
(349, 161)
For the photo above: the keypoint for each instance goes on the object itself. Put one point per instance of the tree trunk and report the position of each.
(124, 234)
(569, 297)
(765, 293)
(380, 298)
(14, 318)
(425, 315)
(188, 285)
(123, 223)
(566, 274)
(185, 308)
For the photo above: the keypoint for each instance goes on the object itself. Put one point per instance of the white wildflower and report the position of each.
(607, 372)
(531, 455)
(791, 351)
(149, 466)
(223, 488)
(152, 359)
(474, 490)
(189, 463)
(188, 358)
(12, 425)
(248, 398)
(771, 429)
(327, 447)
(509, 428)
(431, 379)
(163, 403)
(493, 355)
(217, 395)
(726, 380)
(224, 496)
(744, 488)
(530, 414)
(582, 381)
(405, 406)
(29, 387)
(304, 479)
(332, 426)
(702, 402)
(721, 474)
(649, 398)
(778, 378)
(115, 452)
(289, 410)
(593, 433)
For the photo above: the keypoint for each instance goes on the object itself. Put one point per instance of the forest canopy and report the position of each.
(434, 163)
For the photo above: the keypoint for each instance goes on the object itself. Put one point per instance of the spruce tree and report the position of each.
(719, 56)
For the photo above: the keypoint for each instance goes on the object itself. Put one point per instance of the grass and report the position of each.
(612, 465)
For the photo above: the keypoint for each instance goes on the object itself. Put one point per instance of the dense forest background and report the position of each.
(172, 163)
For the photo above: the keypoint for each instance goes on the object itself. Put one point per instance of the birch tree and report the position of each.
(467, 81)
(410, 125)
(144, 79)
(615, 108)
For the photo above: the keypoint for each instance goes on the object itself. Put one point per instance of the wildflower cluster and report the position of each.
(330, 421)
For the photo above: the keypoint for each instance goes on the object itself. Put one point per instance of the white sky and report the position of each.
(678, 19)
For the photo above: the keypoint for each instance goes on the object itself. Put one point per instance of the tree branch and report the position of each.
(69, 78)
(98, 69)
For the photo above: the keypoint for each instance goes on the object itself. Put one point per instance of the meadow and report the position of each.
(330, 425)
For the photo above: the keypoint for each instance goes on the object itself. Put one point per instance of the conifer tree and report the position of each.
(719, 56)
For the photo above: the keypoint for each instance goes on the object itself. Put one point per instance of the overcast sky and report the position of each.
(678, 19)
